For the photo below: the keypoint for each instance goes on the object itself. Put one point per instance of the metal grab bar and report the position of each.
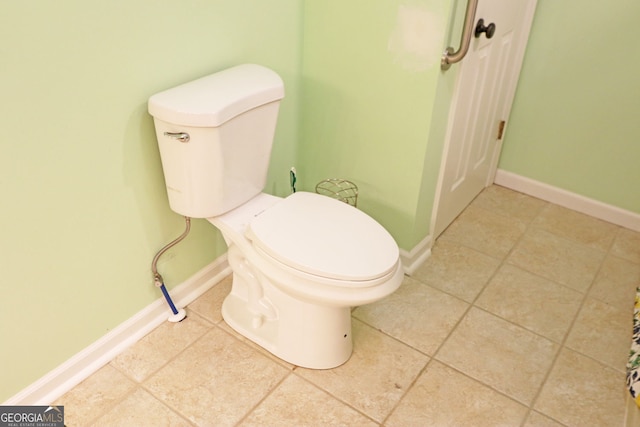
(450, 56)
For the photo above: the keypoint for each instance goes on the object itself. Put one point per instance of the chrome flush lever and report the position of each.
(180, 136)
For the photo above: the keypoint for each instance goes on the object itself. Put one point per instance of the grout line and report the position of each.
(562, 345)
(529, 227)
(269, 393)
(409, 387)
(328, 393)
(399, 341)
(208, 328)
(472, 304)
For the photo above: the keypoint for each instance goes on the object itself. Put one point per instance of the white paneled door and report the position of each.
(480, 108)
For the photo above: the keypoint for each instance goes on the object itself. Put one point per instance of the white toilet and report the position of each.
(299, 263)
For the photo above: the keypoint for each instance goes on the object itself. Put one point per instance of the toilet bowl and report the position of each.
(300, 263)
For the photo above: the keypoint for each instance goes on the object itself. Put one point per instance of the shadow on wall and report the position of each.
(142, 173)
(387, 214)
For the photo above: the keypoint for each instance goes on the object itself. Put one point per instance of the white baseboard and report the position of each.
(567, 199)
(413, 259)
(66, 376)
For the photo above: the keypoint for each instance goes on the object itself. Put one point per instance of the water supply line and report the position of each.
(178, 314)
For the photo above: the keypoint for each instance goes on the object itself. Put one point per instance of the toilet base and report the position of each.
(304, 334)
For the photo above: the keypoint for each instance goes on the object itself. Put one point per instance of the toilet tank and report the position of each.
(215, 136)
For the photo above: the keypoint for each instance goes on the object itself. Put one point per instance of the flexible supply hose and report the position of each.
(178, 314)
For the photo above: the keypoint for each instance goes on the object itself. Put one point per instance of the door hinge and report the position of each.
(501, 128)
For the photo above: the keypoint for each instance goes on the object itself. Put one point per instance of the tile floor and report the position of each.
(521, 317)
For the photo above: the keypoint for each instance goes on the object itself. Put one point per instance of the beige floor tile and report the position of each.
(532, 302)
(298, 403)
(509, 203)
(209, 305)
(456, 269)
(376, 376)
(603, 332)
(627, 245)
(557, 259)
(491, 365)
(616, 282)
(536, 419)
(583, 392)
(444, 397)
(141, 409)
(159, 346)
(415, 314)
(217, 381)
(95, 396)
(499, 354)
(485, 231)
(576, 226)
(225, 327)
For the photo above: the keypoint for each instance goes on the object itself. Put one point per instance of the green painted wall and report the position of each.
(369, 79)
(575, 123)
(84, 207)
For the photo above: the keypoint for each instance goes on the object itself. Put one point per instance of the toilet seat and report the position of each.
(324, 237)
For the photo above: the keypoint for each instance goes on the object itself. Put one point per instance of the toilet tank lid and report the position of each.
(212, 100)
